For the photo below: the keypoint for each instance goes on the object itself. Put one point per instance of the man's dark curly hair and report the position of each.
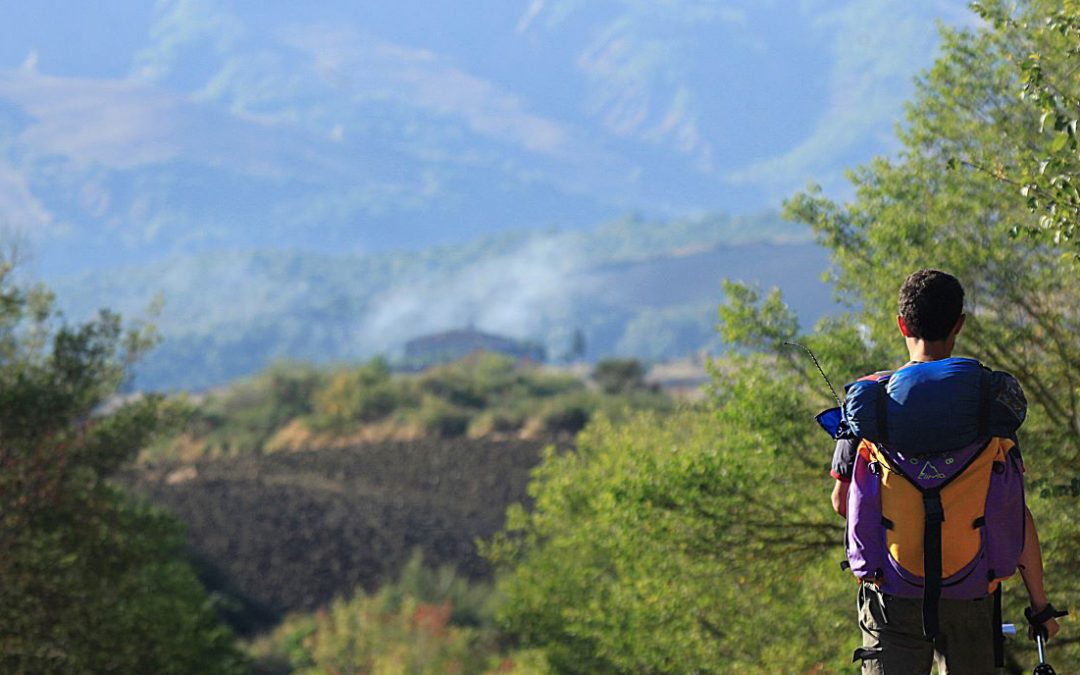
(931, 302)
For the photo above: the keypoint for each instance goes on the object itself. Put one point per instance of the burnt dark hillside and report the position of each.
(288, 532)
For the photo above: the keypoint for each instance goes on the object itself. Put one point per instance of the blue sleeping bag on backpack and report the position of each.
(929, 408)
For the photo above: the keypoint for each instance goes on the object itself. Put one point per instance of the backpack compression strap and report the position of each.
(935, 515)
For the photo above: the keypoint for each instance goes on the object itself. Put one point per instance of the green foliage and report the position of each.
(489, 380)
(507, 421)
(430, 621)
(241, 418)
(1042, 41)
(744, 322)
(92, 581)
(435, 417)
(483, 394)
(645, 553)
(566, 414)
(357, 395)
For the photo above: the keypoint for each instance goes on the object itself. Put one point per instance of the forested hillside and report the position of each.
(632, 287)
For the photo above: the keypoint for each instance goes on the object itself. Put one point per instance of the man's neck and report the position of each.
(924, 350)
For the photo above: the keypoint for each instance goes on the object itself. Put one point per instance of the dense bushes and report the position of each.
(241, 418)
(680, 544)
(298, 406)
(356, 395)
(428, 622)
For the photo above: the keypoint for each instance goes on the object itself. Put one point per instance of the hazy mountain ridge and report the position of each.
(635, 287)
(194, 125)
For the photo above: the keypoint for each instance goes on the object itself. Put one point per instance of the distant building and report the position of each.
(457, 344)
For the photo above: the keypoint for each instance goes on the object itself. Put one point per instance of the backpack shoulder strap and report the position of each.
(883, 410)
(985, 400)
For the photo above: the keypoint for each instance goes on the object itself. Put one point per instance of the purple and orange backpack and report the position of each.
(936, 502)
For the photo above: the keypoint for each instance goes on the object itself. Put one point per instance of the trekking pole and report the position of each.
(1043, 668)
(1038, 621)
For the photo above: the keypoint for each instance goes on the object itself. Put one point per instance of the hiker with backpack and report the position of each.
(929, 477)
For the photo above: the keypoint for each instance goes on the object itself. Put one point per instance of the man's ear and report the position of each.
(959, 324)
(903, 326)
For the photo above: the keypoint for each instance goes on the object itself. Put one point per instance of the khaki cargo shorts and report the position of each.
(893, 642)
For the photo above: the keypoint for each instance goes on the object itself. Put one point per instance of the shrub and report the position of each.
(441, 419)
(430, 621)
(497, 422)
(358, 395)
(644, 550)
(566, 414)
(455, 385)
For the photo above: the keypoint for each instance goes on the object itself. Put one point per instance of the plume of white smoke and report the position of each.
(512, 294)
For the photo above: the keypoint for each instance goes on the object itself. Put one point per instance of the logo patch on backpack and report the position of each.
(930, 472)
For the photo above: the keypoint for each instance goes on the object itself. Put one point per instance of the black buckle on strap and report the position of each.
(932, 507)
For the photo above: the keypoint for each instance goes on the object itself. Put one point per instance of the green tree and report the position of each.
(93, 582)
(1043, 42)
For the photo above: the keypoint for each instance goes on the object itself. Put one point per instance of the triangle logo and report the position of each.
(930, 472)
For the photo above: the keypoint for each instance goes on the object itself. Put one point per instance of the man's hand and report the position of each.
(1051, 627)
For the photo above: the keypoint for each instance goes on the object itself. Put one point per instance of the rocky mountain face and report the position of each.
(134, 131)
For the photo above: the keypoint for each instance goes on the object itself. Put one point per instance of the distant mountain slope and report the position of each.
(634, 287)
(132, 131)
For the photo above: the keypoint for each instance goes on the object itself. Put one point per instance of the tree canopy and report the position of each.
(94, 582)
(1042, 42)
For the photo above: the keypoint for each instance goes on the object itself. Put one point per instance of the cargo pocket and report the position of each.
(873, 614)
(892, 638)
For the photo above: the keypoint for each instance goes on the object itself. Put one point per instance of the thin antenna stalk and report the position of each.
(818, 365)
